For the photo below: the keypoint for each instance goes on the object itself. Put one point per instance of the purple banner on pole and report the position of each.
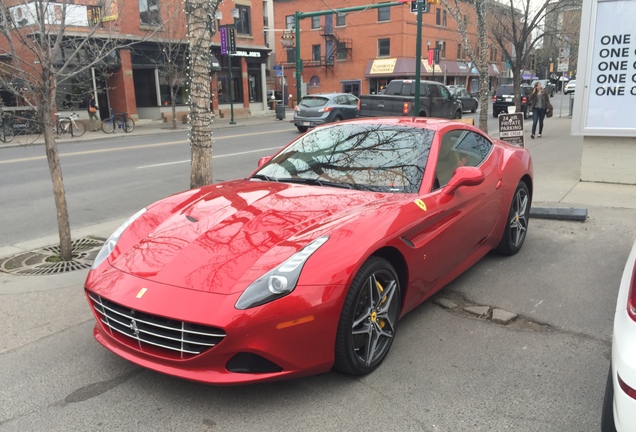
(223, 31)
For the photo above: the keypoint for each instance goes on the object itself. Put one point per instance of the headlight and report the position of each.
(280, 281)
(113, 239)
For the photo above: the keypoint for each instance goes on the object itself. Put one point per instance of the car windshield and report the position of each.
(312, 102)
(383, 158)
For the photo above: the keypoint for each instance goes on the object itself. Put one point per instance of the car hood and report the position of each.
(229, 234)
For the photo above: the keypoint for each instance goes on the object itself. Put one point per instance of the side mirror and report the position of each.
(262, 161)
(463, 176)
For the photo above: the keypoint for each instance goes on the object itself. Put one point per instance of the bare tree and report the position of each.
(517, 26)
(200, 16)
(479, 56)
(44, 45)
(173, 58)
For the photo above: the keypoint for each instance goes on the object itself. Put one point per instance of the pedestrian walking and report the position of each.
(92, 113)
(539, 104)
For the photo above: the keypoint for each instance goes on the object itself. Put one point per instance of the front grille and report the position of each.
(154, 334)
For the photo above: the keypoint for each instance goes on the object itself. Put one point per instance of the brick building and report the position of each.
(360, 52)
(132, 78)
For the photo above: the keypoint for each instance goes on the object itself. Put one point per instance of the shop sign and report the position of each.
(383, 66)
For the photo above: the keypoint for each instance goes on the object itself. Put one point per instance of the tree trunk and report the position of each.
(484, 77)
(199, 13)
(59, 194)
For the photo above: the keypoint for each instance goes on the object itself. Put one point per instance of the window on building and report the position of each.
(315, 22)
(441, 46)
(291, 55)
(444, 18)
(149, 13)
(290, 22)
(341, 53)
(340, 20)
(438, 16)
(459, 51)
(384, 47)
(384, 13)
(315, 52)
(244, 21)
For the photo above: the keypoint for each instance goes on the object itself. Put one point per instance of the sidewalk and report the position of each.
(151, 127)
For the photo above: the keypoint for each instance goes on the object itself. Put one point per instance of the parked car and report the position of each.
(308, 263)
(398, 99)
(318, 109)
(505, 97)
(619, 405)
(547, 86)
(468, 101)
(570, 87)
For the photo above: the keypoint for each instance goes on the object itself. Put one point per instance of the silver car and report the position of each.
(317, 109)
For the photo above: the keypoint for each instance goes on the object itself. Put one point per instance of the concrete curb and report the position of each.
(559, 213)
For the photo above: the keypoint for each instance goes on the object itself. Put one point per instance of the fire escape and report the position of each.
(334, 45)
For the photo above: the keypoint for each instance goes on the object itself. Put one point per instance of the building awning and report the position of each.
(215, 66)
(405, 67)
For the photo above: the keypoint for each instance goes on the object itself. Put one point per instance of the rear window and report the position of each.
(505, 90)
(313, 101)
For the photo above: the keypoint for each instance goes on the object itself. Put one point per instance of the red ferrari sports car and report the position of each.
(308, 264)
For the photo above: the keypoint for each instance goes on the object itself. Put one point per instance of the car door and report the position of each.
(458, 224)
(437, 104)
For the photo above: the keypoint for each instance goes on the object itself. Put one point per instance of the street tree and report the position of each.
(45, 46)
(478, 53)
(200, 18)
(172, 59)
(517, 27)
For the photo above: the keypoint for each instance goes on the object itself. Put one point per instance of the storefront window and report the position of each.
(145, 87)
(72, 93)
(254, 82)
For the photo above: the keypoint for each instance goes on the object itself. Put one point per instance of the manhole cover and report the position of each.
(43, 261)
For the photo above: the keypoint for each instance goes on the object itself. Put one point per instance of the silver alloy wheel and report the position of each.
(375, 318)
(519, 220)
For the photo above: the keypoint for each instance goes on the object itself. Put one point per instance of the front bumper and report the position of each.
(296, 333)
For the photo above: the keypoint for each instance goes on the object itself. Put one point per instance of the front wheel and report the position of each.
(79, 128)
(129, 125)
(517, 222)
(6, 134)
(108, 126)
(369, 318)
(458, 114)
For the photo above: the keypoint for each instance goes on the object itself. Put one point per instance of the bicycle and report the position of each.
(67, 124)
(22, 125)
(121, 121)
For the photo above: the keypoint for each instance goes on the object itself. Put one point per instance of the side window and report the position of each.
(444, 92)
(459, 148)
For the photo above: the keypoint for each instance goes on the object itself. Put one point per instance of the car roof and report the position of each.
(329, 95)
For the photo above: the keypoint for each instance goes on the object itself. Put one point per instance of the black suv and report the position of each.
(505, 97)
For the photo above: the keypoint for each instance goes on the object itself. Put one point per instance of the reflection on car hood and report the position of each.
(239, 230)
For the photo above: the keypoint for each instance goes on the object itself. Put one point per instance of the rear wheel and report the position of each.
(517, 222)
(495, 113)
(458, 114)
(337, 119)
(474, 108)
(302, 128)
(369, 318)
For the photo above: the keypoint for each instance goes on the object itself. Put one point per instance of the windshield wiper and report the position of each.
(315, 182)
(264, 177)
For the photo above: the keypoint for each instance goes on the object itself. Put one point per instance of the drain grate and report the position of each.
(38, 262)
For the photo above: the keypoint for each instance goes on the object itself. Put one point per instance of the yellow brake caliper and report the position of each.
(374, 314)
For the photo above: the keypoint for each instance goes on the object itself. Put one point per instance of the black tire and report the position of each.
(108, 125)
(337, 119)
(129, 125)
(607, 416)
(495, 113)
(474, 108)
(302, 128)
(458, 114)
(516, 223)
(369, 318)
(6, 134)
(79, 129)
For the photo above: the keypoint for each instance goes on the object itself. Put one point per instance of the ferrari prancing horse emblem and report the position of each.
(141, 293)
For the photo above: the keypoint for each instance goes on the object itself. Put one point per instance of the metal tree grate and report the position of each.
(42, 261)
